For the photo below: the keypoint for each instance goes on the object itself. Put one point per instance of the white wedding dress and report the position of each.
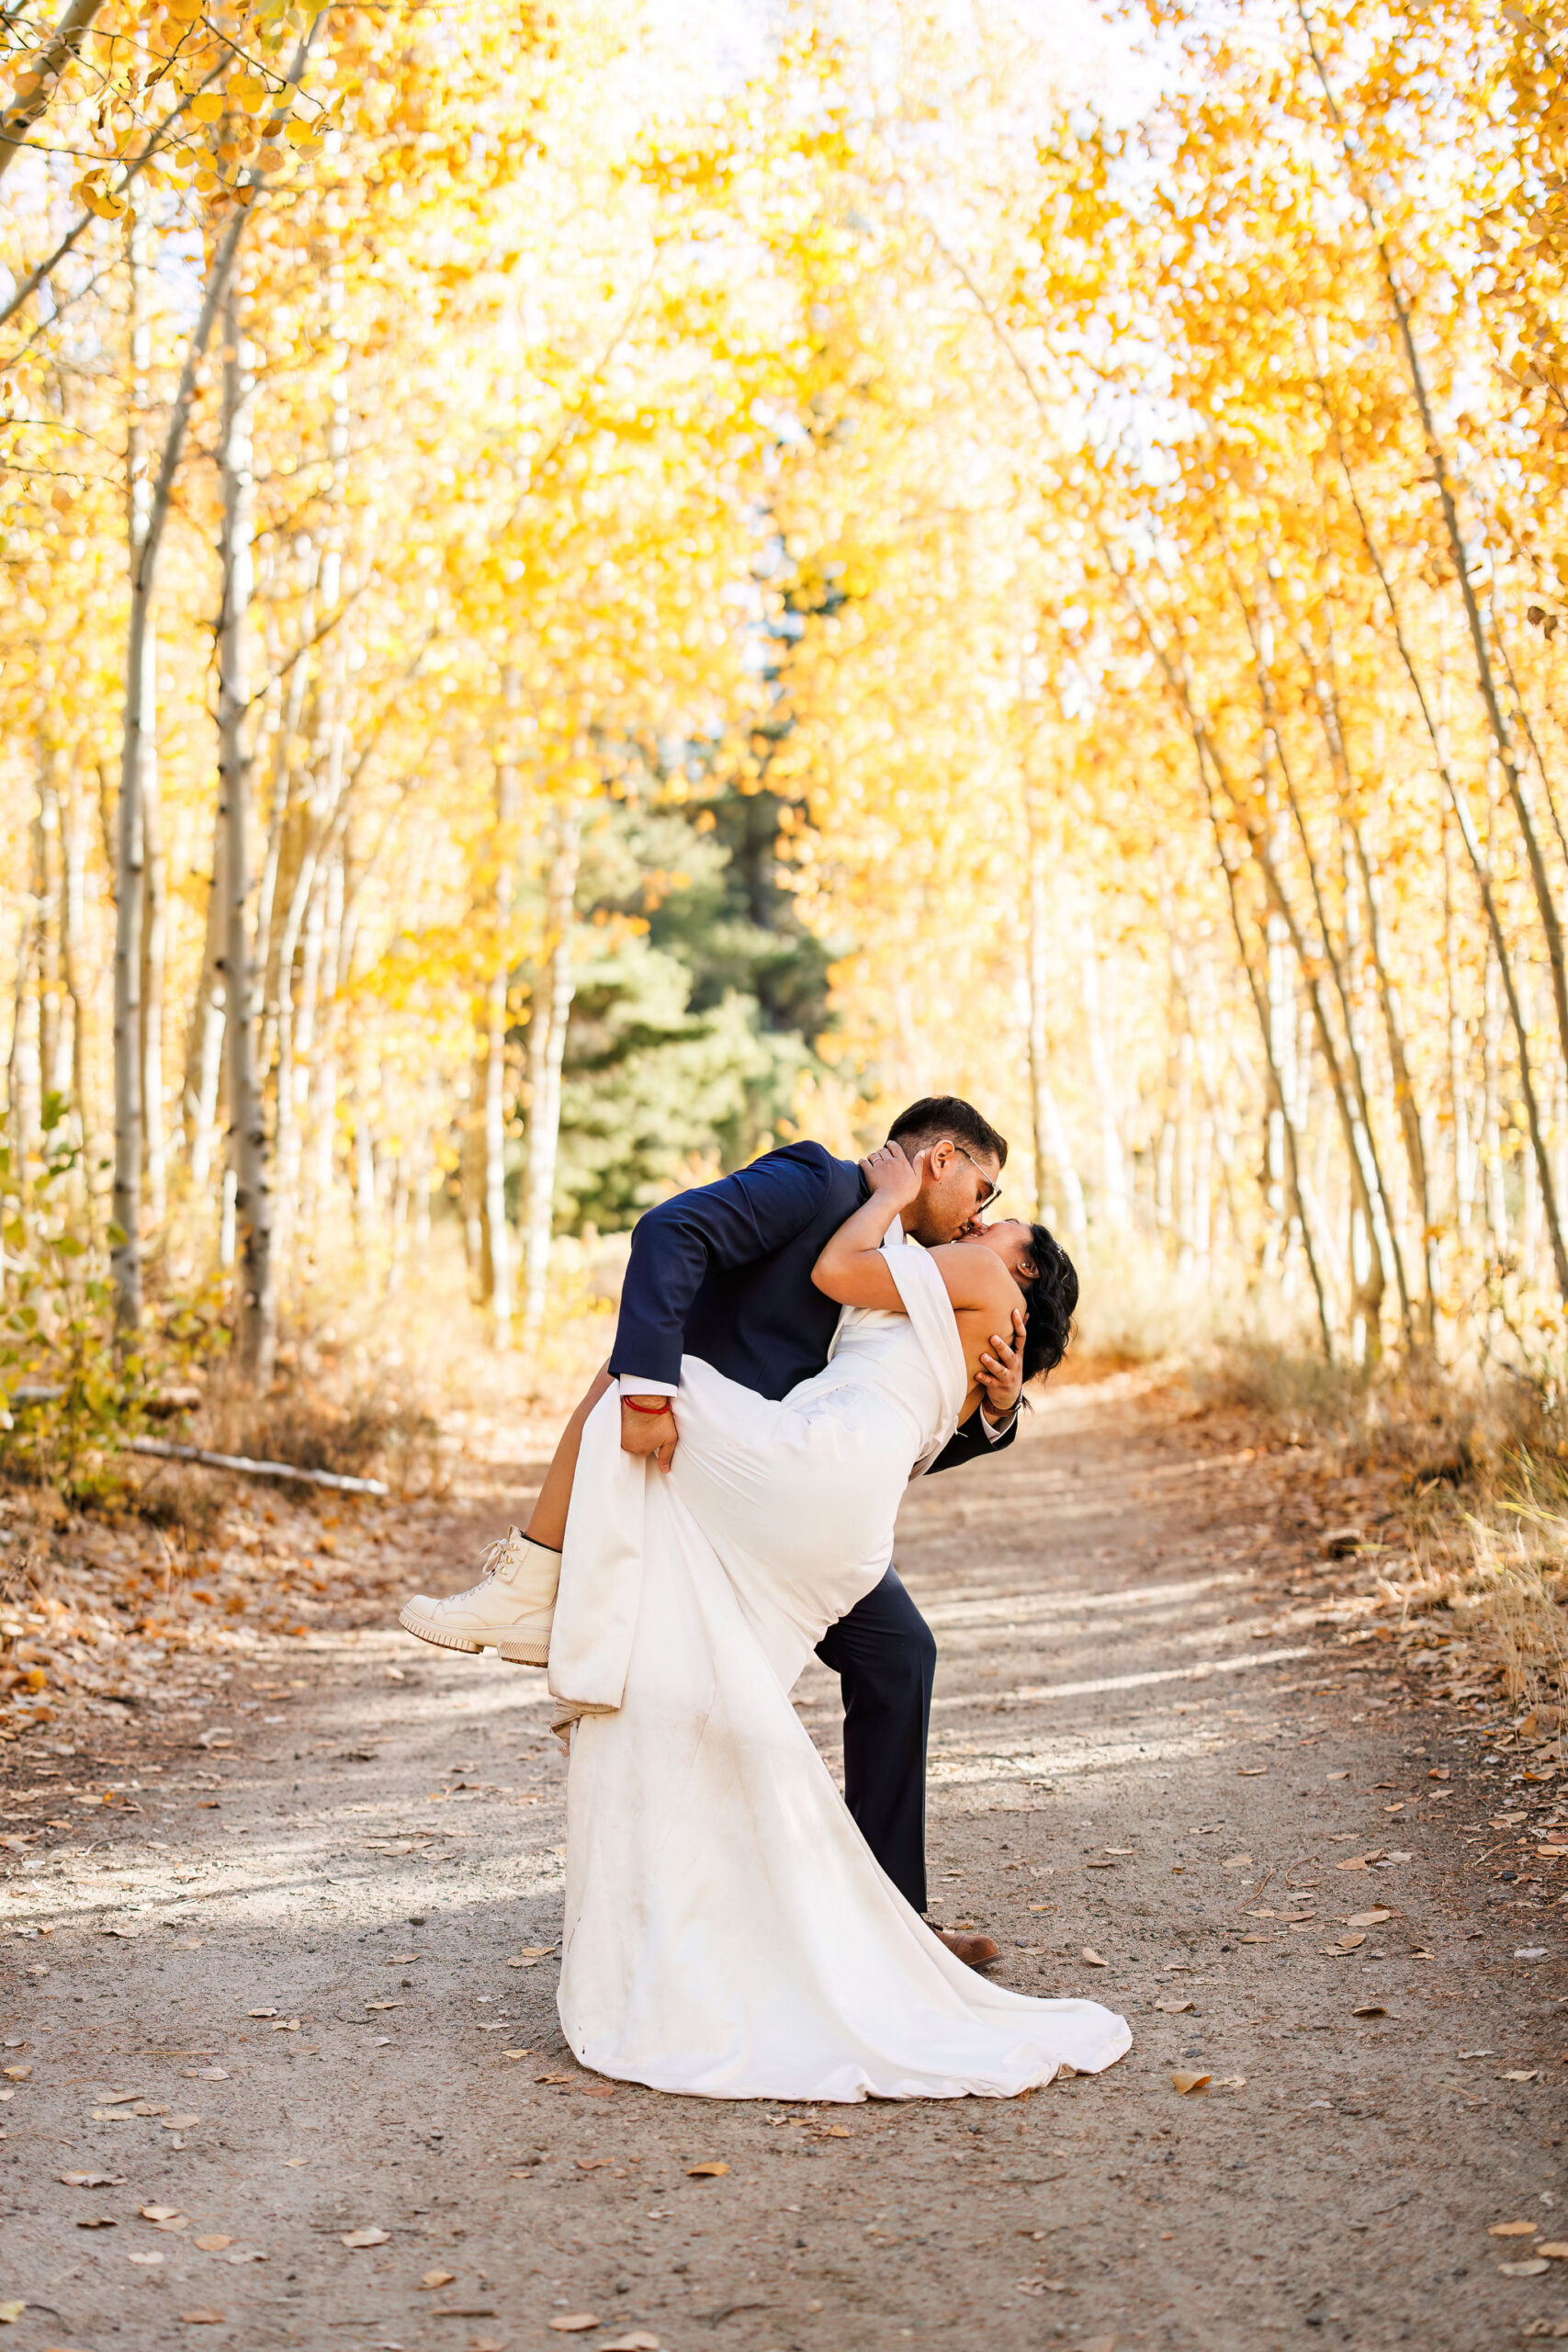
(728, 1931)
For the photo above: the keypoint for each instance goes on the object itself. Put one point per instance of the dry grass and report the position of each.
(1481, 1468)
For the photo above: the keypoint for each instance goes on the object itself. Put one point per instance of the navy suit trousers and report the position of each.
(884, 1654)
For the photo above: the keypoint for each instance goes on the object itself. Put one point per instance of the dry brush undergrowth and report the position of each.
(1464, 1551)
(122, 1574)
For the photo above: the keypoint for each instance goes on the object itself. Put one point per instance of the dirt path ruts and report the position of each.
(1142, 1751)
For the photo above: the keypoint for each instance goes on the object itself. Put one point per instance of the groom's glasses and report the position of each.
(992, 1193)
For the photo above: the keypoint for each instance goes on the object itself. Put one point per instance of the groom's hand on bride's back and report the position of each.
(647, 1426)
(999, 1373)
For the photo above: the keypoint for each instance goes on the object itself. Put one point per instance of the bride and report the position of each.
(727, 1932)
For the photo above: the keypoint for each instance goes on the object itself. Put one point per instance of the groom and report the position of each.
(724, 1272)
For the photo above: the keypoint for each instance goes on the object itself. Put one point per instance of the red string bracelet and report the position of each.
(639, 1405)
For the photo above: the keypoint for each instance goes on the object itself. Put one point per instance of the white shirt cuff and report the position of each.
(630, 1385)
(997, 1431)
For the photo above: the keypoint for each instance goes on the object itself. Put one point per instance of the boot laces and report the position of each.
(490, 1567)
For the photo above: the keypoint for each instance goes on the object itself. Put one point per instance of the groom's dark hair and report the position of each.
(948, 1115)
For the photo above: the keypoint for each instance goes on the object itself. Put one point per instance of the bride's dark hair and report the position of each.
(1050, 1298)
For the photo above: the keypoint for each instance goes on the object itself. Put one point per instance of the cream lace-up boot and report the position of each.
(508, 1611)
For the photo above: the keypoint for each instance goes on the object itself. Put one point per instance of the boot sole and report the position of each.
(524, 1653)
(515, 1653)
(423, 1631)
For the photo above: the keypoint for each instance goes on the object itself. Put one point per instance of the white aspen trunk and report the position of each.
(1187, 1248)
(1529, 1185)
(1203, 1235)
(364, 1174)
(23, 1073)
(126, 1250)
(130, 880)
(1116, 1206)
(1165, 1175)
(1458, 1046)
(1283, 1052)
(46, 901)
(323, 1079)
(73, 943)
(497, 1233)
(1052, 1147)
(204, 1037)
(1492, 1107)
(398, 1255)
(547, 1052)
(154, 958)
(256, 1320)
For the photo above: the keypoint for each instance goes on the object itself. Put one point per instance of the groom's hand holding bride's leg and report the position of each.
(647, 1428)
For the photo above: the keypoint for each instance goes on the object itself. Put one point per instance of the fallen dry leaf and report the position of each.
(17, 2074)
(214, 2242)
(1091, 1958)
(181, 2123)
(91, 2180)
(713, 2170)
(96, 2221)
(638, 2340)
(1175, 2008)
(1513, 2228)
(1532, 2267)
(517, 2054)
(260, 2013)
(592, 2164)
(10, 2314)
(1230, 2082)
(158, 2212)
(1367, 1918)
(1369, 2009)
(149, 2259)
(1188, 2083)
(574, 2323)
(202, 2319)
(1520, 2074)
(356, 2239)
(1555, 2250)
(438, 2278)
(835, 2132)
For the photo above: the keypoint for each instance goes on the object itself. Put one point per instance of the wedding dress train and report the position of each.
(728, 1931)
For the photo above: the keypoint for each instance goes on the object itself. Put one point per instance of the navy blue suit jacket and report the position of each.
(724, 1272)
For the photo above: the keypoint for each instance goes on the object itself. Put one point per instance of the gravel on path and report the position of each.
(282, 2065)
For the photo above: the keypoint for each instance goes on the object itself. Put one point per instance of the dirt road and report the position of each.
(283, 2066)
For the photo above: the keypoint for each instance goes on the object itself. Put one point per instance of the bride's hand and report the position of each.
(892, 1175)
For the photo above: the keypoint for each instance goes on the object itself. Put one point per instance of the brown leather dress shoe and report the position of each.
(975, 1951)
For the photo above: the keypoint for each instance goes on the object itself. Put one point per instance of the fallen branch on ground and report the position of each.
(256, 1469)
